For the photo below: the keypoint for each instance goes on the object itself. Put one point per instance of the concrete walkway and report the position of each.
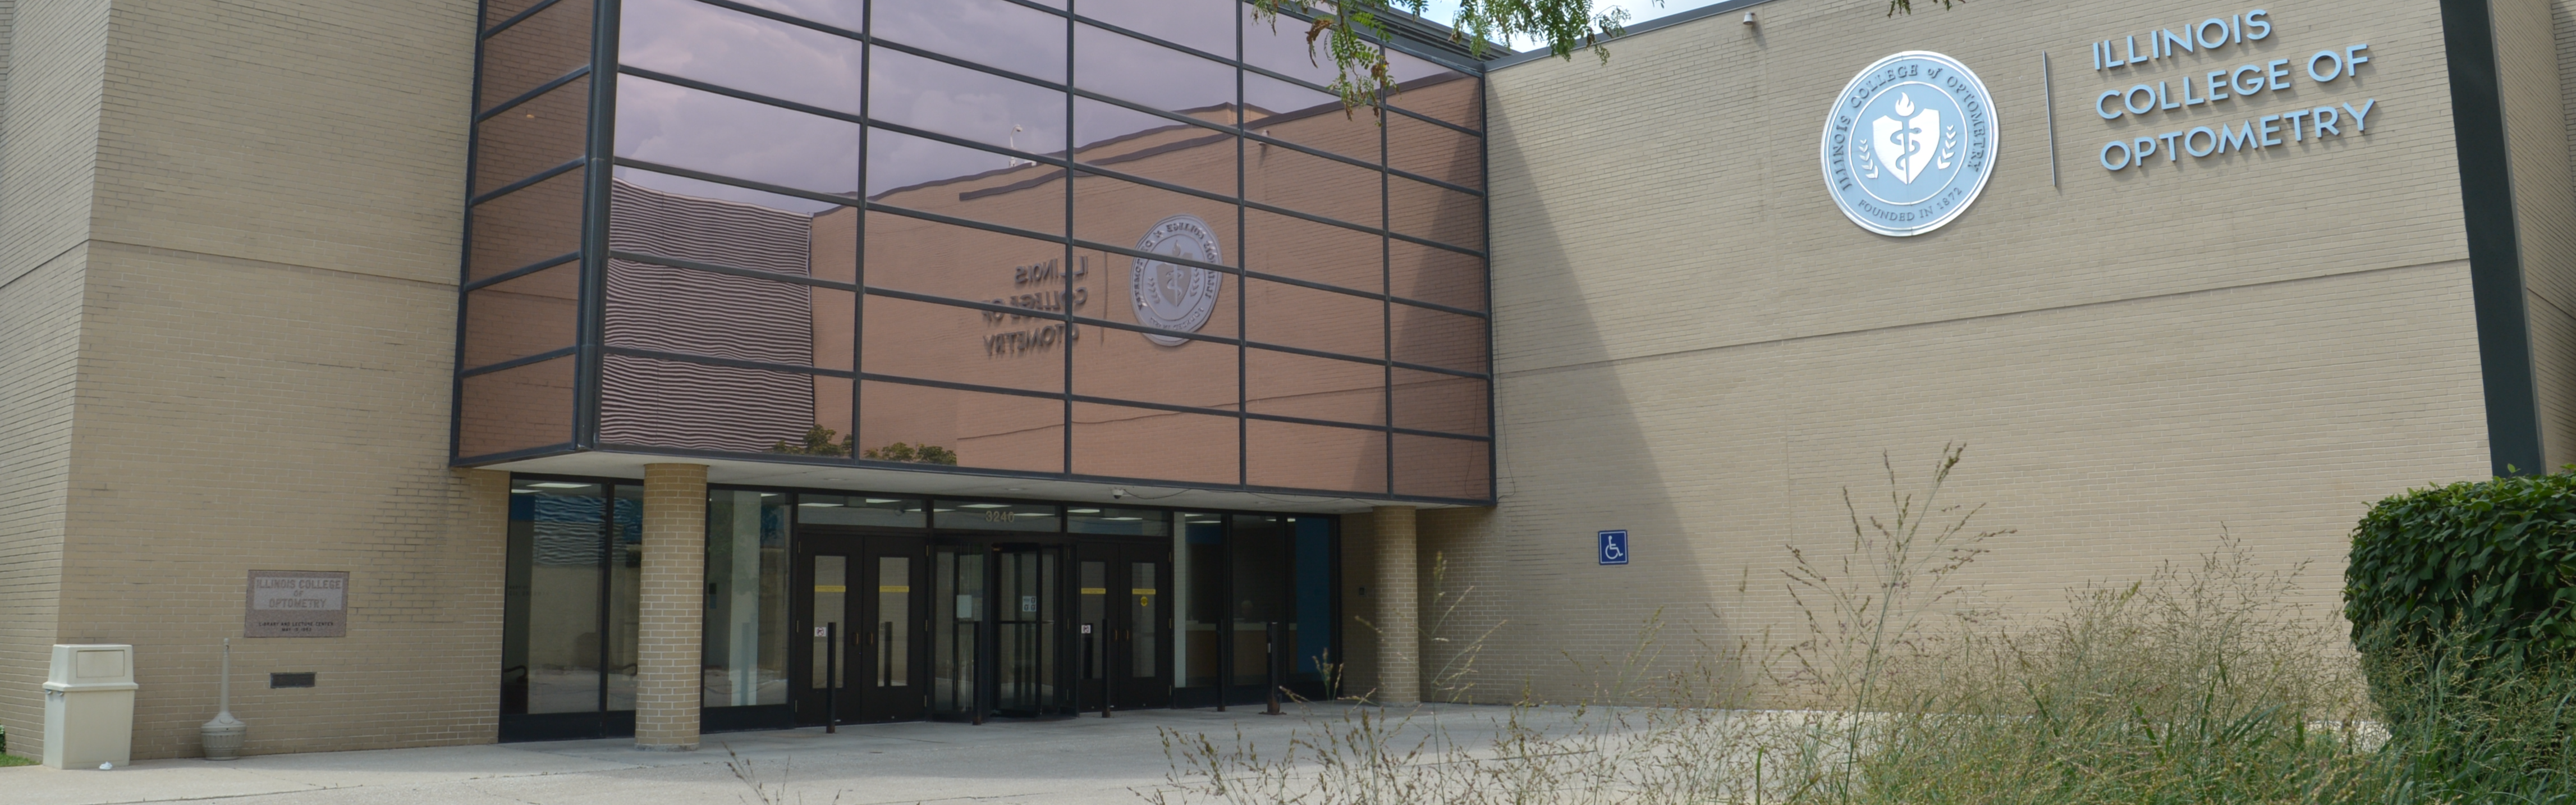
(1077, 760)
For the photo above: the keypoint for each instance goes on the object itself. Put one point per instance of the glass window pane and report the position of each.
(928, 257)
(1144, 660)
(541, 133)
(1437, 467)
(1278, 43)
(1122, 364)
(521, 317)
(1293, 456)
(1196, 448)
(1435, 152)
(1154, 147)
(1436, 275)
(1133, 70)
(539, 49)
(1149, 219)
(936, 96)
(703, 131)
(862, 510)
(956, 611)
(538, 222)
(931, 176)
(894, 622)
(1207, 25)
(518, 408)
(831, 609)
(991, 431)
(1107, 520)
(841, 14)
(1307, 387)
(1295, 247)
(1444, 95)
(691, 312)
(1198, 553)
(661, 215)
(1091, 592)
(1313, 185)
(928, 341)
(990, 32)
(1435, 213)
(746, 622)
(1429, 337)
(1290, 112)
(1310, 627)
(1263, 573)
(625, 588)
(1445, 403)
(662, 403)
(984, 515)
(732, 49)
(550, 647)
(1307, 318)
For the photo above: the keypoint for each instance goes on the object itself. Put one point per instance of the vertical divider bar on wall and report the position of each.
(465, 242)
(1070, 11)
(1385, 284)
(1242, 276)
(859, 238)
(1485, 203)
(600, 150)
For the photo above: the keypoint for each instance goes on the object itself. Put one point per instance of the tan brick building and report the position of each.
(612, 347)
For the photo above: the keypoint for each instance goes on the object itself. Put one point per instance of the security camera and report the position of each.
(1119, 493)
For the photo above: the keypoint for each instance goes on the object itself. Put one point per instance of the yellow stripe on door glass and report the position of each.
(1141, 591)
(894, 588)
(1095, 591)
(831, 588)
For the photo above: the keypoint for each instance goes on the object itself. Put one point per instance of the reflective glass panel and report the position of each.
(1105, 439)
(1446, 403)
(538, 222)
(1435, 213)
(746, 621)
(987, 32)
(518, 408)
(928, 341)
(957, 608)
(1437, 338)
(1425, 86)
(992, 431)
(691, 312)
(1289, 246)
(666, 403)
(928, 257)
(1437, 467)
(1436, 275)
(1295, 456)
(862, 510)
(1313, 185)
(1278, 43)
(842, 14)
(1108, 520)
(918, 173)
(1144, 622)
(994, 515)
(1151, 219)
(703, 131)
(1435, 152)
(1155, 148)
(550, 641)
(1308, 318)
(1125, 365)
(523, 316)
(1308, 387)
(1154, 76)
(662, 215)
(625, 589)
(538, 49)
(936, 96)
(1296, 114)
(540, 133)
(740, 51)
(1204, 25)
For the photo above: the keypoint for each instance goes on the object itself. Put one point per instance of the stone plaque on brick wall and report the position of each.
(297, 603)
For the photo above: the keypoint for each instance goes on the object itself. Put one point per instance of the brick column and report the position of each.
(673, 606)
(1399, 608)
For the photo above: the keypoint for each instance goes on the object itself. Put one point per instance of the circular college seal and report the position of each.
(1170, 296)
(1909, 143)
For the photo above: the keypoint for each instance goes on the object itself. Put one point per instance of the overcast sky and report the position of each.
(1444, 11)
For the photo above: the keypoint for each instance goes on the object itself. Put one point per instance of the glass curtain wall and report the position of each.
(745, 648)
(1133, 240)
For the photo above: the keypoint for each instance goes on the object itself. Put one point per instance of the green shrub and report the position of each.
(2492, 563)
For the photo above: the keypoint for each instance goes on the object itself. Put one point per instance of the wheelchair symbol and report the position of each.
(1614, 547)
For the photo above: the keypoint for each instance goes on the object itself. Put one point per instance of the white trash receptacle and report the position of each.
(89, 706)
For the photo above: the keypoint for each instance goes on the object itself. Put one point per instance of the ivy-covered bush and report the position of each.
(2487, 566)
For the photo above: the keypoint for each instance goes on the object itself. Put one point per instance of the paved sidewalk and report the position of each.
(1077, 760)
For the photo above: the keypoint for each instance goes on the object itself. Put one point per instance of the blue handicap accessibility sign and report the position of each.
(1614, 547)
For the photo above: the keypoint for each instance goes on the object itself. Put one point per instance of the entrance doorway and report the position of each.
(1121, 636)
(862, 612)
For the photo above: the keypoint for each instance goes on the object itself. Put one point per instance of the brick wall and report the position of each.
(1694, 344)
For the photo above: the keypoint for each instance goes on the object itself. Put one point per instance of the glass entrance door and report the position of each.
(996, 631)
(862, 613)
(1121, 619)
(1025, 627)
